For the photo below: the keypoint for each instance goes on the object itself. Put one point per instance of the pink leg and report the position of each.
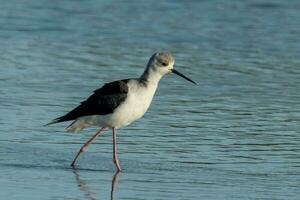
(84, 147)
(115, 158)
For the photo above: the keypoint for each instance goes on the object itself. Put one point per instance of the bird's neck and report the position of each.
(150, 77)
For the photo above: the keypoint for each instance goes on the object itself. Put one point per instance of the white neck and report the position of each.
(150, 76)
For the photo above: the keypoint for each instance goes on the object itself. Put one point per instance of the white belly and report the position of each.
(134, 107)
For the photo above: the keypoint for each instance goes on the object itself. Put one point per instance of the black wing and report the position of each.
(104, 101)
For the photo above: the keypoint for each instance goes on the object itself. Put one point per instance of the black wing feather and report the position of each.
(103, 101)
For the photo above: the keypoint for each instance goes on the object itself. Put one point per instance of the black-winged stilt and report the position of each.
(119, 103)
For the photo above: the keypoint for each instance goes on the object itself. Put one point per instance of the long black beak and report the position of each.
(183, 76)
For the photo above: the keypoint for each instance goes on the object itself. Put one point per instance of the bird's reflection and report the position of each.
(114, 183)
(84, 187)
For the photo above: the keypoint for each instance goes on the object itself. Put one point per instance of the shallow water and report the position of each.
(235, 136)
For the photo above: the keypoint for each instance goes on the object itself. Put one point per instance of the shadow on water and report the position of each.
(87, 192)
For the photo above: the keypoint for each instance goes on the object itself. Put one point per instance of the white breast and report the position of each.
(138, 100)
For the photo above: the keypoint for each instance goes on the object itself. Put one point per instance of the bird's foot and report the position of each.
(73, 164)
(117, 164)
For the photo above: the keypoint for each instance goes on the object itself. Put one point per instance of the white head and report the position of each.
(161, 64)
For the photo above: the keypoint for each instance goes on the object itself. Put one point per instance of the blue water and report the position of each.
(235, 136)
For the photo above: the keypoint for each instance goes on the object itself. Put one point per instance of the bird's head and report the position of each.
(163, 63)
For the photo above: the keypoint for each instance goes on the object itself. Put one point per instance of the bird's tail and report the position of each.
(54, 121)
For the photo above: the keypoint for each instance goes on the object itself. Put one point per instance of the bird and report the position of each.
(119, 103)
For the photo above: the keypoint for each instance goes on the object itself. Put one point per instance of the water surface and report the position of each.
(235, 136)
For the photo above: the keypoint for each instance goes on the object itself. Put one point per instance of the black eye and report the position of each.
(164, 64)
